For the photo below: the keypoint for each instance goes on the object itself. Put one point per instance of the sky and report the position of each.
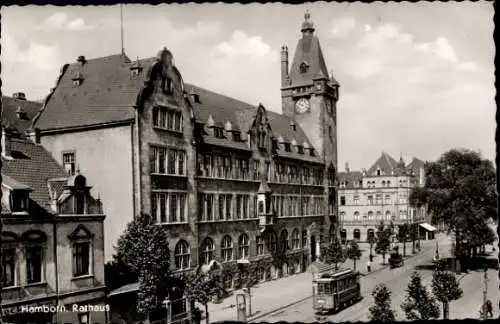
(416, 79)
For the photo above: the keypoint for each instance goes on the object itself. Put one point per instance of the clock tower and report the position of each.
(309, 95)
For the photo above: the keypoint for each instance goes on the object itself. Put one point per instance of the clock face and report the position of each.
(302, 106)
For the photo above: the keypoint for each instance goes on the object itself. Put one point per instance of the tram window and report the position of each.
(320, 289)
(328, 288)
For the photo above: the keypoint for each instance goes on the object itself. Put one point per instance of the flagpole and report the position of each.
(121, 28)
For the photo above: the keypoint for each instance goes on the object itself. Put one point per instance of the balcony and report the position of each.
(376, 222)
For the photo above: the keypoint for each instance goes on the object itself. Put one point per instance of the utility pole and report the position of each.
(485, 295)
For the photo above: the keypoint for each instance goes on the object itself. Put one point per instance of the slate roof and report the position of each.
(350, 177)
(386, 163)
(32, 167)
(108, 94)
(308, 50)
(415, 165)
(10, 108)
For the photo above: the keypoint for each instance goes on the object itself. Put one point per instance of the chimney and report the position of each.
(6, 144)
(284, 66)
(346, 167)
(81, 59)
(20, 95)
(364, 172)
(35, 136)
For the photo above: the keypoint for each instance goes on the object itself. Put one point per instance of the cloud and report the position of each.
(441, 48)
(343, 27)
(59, 21)
(242, 45)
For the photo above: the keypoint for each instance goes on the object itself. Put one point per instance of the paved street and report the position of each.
(270, 296)
(397, 280)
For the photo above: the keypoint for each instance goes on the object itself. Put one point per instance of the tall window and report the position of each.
(387, 199)
(256, 170)
(370, 215)
(379, 215)
(167, 118)
(356, 216)
(19, 201)
(284, 240)
(242, 202)
(9, 267)
(207, 251)
(33, 264)
(304, 239)
(225, 202)
(378, 199)
(260, 245)
(81, 259)
(342, 200)
(227, 249)
(356, 200)
(295, 239)
(79, 203)
(370, 200)
(69, 163)
(208, 207)
(272, 242)
(182, 255)
(169, 207)
(168, 161)
(243, 247)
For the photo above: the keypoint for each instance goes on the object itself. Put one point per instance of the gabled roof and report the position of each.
(108, 94)
(32, 166)
(415, 164)
(13, 184)
(10, 108)
(386, 163)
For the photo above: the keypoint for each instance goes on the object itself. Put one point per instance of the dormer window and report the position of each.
(303, 67)
(236, 136)
(261, 139)
(19, 201)
(300, 149)
(378, 172)
(135, 69)
(311, 152)
(219, 132)
(288, 147)
(21, 114)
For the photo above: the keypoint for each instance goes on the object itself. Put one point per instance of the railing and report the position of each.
(377, 222)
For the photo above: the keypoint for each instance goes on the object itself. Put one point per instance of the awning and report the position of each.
(428, 227)
(133, 287)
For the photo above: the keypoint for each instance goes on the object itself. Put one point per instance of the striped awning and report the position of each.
(428, 227)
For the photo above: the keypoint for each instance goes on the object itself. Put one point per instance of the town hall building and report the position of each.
(231, 182)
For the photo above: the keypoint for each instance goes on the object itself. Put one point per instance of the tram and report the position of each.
(335, 290)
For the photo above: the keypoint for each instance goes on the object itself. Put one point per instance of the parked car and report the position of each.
(396, 260)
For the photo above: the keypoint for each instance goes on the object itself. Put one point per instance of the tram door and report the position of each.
(313, 248)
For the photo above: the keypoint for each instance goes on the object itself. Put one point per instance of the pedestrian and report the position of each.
(369, 266)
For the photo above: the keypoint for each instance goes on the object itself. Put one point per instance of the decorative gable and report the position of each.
(260, 131)
(80, 232)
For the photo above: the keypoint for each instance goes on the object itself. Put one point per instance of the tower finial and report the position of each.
(307, 25)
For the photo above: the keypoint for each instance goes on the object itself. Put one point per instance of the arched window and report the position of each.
(295, 239)
(34, 243)
(370, 233)
(182, 255)
(357, 234)
(356, 216)
(261, 274)
(227, 249)
(207, 251)
(272, 242)
(243, 247)
(379, 215)
(370, 215)
(387, 199)
(284, 240)
(388, 215)
(260, 245)
(343, 235)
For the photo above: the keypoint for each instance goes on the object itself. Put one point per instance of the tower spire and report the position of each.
(121, 28)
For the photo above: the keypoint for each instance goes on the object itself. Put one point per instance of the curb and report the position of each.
(251, 319)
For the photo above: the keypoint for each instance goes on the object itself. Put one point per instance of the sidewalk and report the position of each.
(273, 295)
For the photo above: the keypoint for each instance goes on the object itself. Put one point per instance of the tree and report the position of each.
(354, 253)
(446, 288)
(402, 235)
(381, 310)
(333, 253)
(419, 304)
(383, 241)
(460, 192)
(202, 288)
(143, 247)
